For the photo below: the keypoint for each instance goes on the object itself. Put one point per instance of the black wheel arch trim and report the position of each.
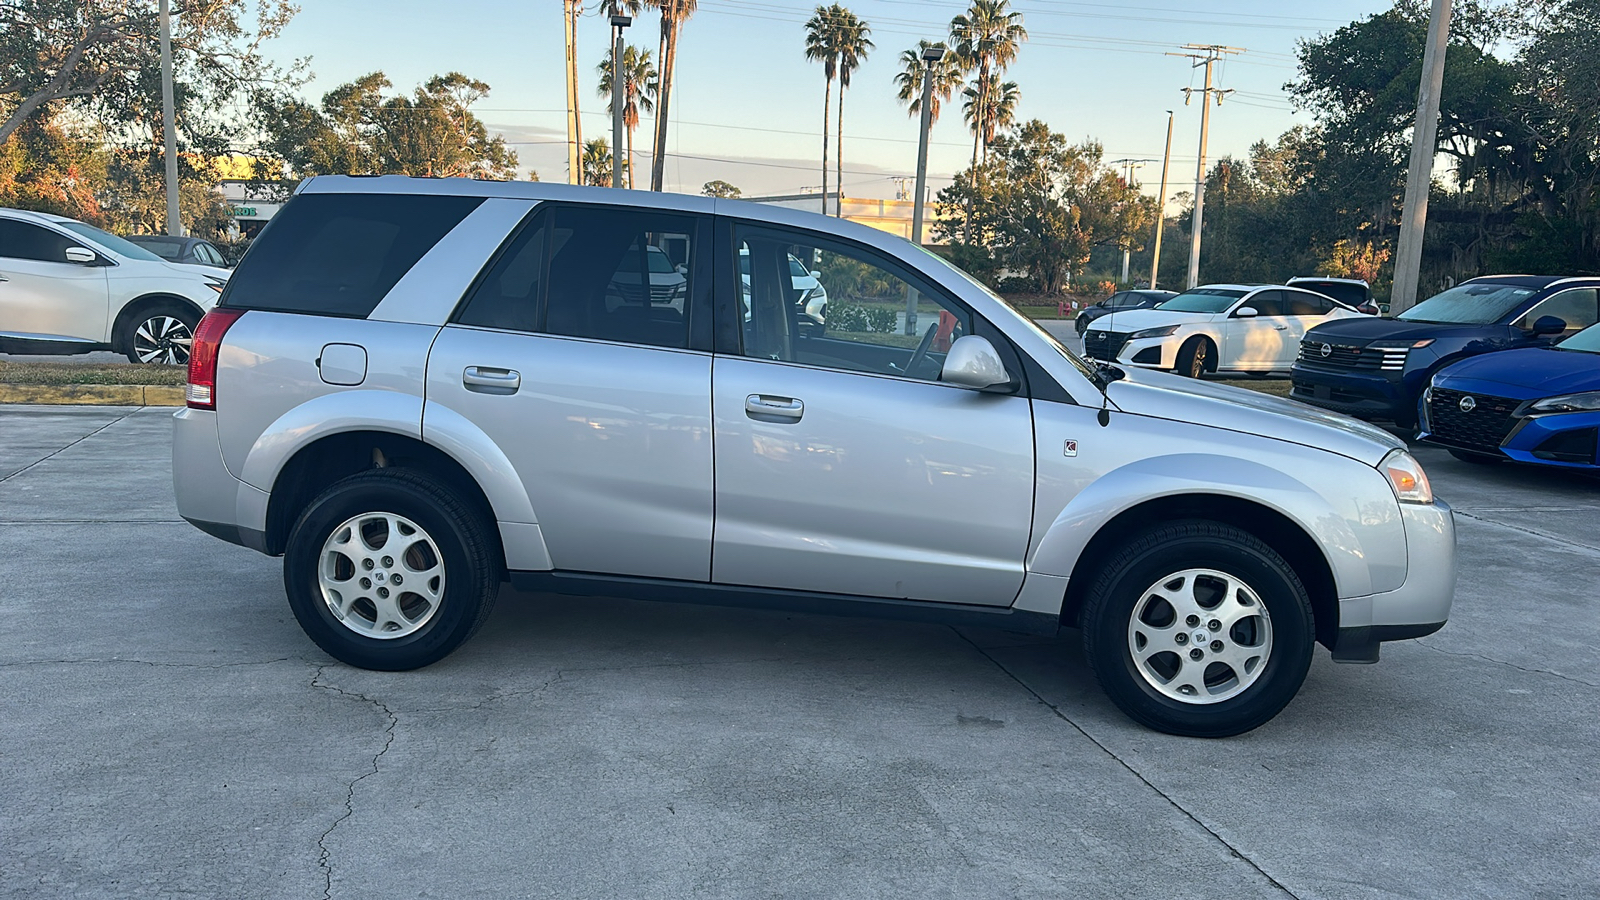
(130, 311)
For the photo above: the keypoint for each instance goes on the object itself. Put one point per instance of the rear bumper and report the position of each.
(1421, 605)
(207, 494)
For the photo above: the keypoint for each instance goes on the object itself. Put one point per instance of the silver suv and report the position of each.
(414, 390)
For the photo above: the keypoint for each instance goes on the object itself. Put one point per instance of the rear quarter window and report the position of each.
(339, 254)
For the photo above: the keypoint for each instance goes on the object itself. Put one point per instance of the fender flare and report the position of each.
(1152, 478)
(457, 437)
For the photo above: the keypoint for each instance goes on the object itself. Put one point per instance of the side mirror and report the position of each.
(681, 269)
(816, 274)
(973, 362)
(1245, 312)
(1549, 325)
(85, 256)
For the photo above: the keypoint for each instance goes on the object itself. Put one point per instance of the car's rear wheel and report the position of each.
(389, 570)
(1198, 628)
(161, 334)
(1194, 357)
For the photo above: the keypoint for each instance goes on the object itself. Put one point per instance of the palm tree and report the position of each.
(991, 107)
(986, 38)
(946, 78)
(854, 45)
(596, 163)
(822, 45)
(673, 15)
(639, 86)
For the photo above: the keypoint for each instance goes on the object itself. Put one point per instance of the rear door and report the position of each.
(1306, 311)
(44, 295)
(598, 390)
(843, 465)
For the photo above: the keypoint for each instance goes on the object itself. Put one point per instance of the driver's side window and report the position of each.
(816, 302)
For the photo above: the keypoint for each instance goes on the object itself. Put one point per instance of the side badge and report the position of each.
(1069, 448)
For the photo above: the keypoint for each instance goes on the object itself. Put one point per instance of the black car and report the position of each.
(1121, 300)
(1377, 368)
(188, 251)
(1352, 292)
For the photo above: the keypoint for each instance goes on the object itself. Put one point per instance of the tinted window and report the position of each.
(20, 240)
(508, 296)
(1469, 304)
(613, 276)
(1344, 292)
(163, 249)
(1305, 304)
(860, 313)
(1267, 303)
(1575, 307)
(339, 254)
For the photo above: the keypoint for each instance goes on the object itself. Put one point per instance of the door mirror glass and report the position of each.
(973, 362)
(1245, 312)
(1549, 325)
(81, 255)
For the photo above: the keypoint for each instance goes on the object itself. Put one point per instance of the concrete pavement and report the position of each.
(168, 730)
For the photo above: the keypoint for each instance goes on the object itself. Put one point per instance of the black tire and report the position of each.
(1144, 563)
(466, 548)
(160, 333)
(1082, 324)
(1194, 357)
(1481, 459)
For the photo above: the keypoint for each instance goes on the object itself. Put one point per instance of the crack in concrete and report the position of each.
(67, 447)
(1509, 665)
(324, 855)
(1232, 850)
(1585, 549)
(145, 662)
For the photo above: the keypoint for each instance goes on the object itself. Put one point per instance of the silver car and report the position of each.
(414, 390)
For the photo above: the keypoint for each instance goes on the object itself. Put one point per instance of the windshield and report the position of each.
(165, 249)
(1202, 300)
(110, 241)
(1469, 304)
(659, 261)
(1585, 341)
(796, 270)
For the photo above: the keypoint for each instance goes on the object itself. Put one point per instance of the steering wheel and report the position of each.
(922, 351)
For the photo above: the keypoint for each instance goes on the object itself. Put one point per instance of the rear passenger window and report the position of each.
(339, 254)
(619, 275)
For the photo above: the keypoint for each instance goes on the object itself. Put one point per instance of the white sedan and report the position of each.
(1215, 328)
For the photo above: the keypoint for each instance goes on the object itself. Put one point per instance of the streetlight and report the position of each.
(930, 58)
(169, 129)
(619, 92)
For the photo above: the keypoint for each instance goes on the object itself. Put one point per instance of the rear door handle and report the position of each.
(488, 380)
(766, 406)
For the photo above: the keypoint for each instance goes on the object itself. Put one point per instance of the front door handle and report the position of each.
(488, 380)
(766, 406)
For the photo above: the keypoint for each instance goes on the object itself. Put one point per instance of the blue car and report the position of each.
(1536, 405)
(1374, 368)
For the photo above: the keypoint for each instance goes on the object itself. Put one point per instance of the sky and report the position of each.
(747, 106)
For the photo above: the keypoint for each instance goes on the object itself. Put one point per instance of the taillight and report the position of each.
(202, 390)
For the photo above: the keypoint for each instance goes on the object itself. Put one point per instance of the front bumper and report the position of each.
(1146, 353)
(1365, 395)
(1421, 605)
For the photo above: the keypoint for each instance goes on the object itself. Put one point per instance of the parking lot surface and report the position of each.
(168, 730)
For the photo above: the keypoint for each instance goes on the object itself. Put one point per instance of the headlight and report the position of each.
(216, 285)
(1400, 345)
(1163, 331)
(1588, 401)
(1405, 475)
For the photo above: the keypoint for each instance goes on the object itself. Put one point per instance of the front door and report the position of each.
(842, 464)
(1263, 342)
(44, 295)
(591, 387)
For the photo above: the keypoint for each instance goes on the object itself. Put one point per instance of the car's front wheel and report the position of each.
(1198, 628)
(161, 334)
(1194, 357)
(388, 569)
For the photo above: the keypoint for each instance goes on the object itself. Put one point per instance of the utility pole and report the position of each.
(570, 10)
(1128, 167)
(169, 124)
(1408, 256)
(1206, 55)
(930, 58)
(1161, 205)
(619, 95)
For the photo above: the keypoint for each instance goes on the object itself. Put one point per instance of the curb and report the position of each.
(92, 394)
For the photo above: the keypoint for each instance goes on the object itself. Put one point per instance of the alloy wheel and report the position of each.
(163, 339)
(1200, 636)
(381, 575)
